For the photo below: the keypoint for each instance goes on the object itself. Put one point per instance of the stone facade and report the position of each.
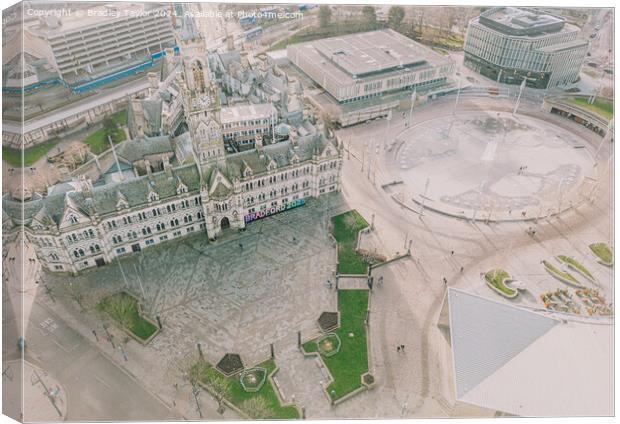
(149, 195)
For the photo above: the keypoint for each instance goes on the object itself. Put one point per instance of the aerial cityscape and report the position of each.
(220, 211)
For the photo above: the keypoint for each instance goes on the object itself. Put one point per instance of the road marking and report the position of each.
(61, 346)
(101, 381)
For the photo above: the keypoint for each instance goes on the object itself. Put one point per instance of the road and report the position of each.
(96, 388)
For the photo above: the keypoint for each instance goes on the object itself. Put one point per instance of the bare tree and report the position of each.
(121, 308)
(220, 388)
(76, 292)
(396, 15)
(325, 15)
(256, 407)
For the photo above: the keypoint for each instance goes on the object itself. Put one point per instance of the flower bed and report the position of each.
(328, 321)
(572, 263)
(329, 344)
(230, 364)
(603, 252)
(253, 379)
(496, 278)
(565, 277)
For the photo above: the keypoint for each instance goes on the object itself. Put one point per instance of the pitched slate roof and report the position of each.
(138, 148)
(103, 199)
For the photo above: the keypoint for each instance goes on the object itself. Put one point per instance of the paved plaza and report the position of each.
(482, 164)
(239, 294)
(233, 298)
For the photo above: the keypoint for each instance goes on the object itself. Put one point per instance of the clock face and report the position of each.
(202, 102)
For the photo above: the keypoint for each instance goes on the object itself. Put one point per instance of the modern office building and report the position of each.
(369, 64)
(509, 44)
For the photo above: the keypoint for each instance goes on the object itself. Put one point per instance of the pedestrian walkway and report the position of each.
(44, 398)
(301, 377)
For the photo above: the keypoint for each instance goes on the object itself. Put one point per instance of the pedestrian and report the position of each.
(452, 253)
(402, 348)
(461, 270)
(397, 348)
(445, 281)
(240, 246)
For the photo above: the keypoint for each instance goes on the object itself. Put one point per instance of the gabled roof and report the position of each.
(104, 199)
(136, 149)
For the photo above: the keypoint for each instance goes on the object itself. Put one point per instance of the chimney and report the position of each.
(258, 143)
(168, 169)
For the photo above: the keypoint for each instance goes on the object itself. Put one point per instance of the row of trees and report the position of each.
(369, 16)
(444, 20)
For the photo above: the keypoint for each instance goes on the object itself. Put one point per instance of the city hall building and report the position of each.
(151, 189)
(509, 44)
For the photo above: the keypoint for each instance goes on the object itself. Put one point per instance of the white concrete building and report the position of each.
(364, 65)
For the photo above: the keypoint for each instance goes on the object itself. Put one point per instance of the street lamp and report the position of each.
(413, 98)
(458, 95)
(525, 79)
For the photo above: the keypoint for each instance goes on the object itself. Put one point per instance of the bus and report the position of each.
(247, 21)
(253, 33)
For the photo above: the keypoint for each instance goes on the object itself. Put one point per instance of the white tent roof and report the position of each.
(522, 362)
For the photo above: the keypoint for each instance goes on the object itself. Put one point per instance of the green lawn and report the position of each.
(603, 251)
(98, 141)
(31, 155)
(565, 275)
(601, 107)
(576, 265)
(496, 277)
(137, 325)
(237, 395)
(344, 229)
(348, 365)
(120, 117)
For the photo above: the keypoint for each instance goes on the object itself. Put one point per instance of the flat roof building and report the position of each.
(510, 44)
(364, 65)
(104, 38)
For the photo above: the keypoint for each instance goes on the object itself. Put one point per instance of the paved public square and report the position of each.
(239, 294)
(481, 164)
